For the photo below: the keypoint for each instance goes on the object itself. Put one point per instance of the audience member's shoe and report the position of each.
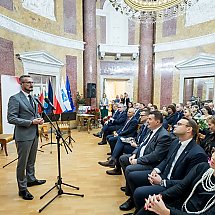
(98, 135)
(114, 171)
(25, 195)
(122, 189)
(102, 143)
(109, 163)
(109, 153)
(37, 182)
(128, 205)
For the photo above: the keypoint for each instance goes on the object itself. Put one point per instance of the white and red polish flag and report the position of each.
(58, 102)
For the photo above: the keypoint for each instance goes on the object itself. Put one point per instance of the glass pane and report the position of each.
(199, 89)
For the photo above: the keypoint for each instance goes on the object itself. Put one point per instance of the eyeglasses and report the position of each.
(180, 124)
(29, 82)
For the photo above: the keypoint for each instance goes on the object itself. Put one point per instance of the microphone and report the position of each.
(49, 102)
(39, 102)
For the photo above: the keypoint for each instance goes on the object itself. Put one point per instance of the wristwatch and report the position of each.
(162, 183)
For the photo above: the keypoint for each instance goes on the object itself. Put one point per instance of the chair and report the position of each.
(4, 139)
(43, 132)
(169, 128)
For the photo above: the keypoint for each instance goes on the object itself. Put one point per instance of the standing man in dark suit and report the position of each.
(23, 113)
(125, 100)
(149, 154)
(183, 155)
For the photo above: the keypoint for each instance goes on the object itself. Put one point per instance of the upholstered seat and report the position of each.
(4, 139)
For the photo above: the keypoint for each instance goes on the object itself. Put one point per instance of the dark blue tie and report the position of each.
(170, 161)
(144, 143)
(31, 101)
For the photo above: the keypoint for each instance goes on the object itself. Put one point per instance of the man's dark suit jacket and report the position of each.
(129, 129)
(193, 154)
(119, 121)
(156, 149)
(137, 114)
(125, 100)
(183, 189)
(141, 134)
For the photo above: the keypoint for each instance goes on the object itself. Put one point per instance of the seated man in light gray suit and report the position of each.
(23, 113)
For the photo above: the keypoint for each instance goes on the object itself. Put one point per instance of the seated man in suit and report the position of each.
(183, 155)
(128, 130)
(106, 120)
(149, 154)
(114, 124)
(193, 195)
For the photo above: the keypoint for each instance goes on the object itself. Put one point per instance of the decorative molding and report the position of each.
(201, 12)
(118, 50)
(200, 61)
(100, 12)
(25, 30)
(43, 8)
(200, 66)
(40, 62)
(40, 57)
(184, 44)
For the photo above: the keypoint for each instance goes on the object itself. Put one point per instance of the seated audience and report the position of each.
(208, 141)
(188, 113)
(195, 111)
(211, 105)
(193, 195)
(113, 124)
(206, 112)
(171, 118)
(117, 99)
(179, 111)
(128, 130)
(149, 154)
(183, 155)
(130, 104)
(127, 145)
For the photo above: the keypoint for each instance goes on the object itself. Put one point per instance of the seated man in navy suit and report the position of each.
(149, 154)
(183, 155)
(128, 130)
(114, 123)
(127, 145)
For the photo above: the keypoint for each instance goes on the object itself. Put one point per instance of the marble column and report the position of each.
(90, 52)
(145, 76)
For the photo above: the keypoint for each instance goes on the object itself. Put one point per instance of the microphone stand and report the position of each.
(59, 182)
(53, 116)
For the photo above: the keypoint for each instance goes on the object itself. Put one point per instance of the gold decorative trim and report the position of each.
(142, 5)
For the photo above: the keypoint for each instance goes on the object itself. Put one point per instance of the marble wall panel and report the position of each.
(166, 81)
(118, 68)
(103, 29)
(200, 87)
(188, 86)
(169, 27)
(69, 7)
(6, 64)
(131, 32)
(7, 4)
(71, 71)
